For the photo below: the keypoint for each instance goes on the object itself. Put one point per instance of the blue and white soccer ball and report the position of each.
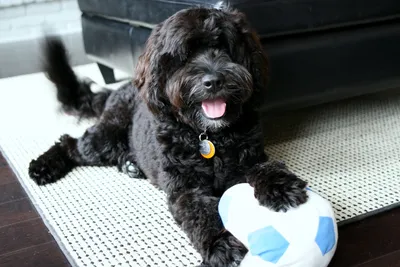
(305, 236)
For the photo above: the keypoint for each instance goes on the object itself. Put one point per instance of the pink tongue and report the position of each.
(214, 108)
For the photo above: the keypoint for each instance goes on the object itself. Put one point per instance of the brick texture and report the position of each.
(22, 25)
(43, 8)
(22, 18)
(8, 3)
(12, 12)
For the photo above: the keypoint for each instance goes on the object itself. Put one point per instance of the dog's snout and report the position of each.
(213, 82)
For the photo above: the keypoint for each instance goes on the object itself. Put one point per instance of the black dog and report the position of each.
(201, 76)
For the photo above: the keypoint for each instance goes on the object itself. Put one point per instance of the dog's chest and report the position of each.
(185, 161)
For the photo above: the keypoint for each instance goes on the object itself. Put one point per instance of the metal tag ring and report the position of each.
(203, 136)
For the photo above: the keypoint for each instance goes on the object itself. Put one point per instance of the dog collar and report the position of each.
(206, 147)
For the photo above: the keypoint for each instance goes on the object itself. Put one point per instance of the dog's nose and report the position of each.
(214, 82)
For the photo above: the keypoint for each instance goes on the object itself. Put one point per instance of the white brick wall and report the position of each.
(69, 5)
(22, 23)
(11, 12)
(7, 3)
(43, 8)
(24, 18)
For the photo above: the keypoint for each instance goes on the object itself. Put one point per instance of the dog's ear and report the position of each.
(151, 71)
(248, 51)
(145, 76)
(257, 62)
(165, 50)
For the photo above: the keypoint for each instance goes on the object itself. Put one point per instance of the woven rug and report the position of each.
(349, 152)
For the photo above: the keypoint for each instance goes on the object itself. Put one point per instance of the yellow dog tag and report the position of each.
(207, 149)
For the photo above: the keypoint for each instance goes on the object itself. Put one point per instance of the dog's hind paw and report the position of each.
(130, 168)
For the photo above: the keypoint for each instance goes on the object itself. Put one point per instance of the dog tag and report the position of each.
(207, 149)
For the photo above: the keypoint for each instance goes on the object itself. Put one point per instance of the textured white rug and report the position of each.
(349, 152)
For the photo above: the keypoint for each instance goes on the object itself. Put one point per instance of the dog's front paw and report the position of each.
(227, 251)
(277, 188)
(51, 166)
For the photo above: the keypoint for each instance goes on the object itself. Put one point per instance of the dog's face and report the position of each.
(209, 89)
(202, 66)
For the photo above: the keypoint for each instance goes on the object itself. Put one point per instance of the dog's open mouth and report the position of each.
(214, 108)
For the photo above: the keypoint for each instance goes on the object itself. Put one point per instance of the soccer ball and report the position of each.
(305, 236)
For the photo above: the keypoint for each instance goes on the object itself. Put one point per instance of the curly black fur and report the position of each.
(155, 123)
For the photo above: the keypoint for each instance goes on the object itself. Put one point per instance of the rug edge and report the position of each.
(46, 222)
(368, 214)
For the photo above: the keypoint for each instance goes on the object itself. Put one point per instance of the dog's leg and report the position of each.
(196, 212)
(276, 187)
(101, 145)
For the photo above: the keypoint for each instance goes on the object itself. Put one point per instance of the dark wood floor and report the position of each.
(24, 239)
(26, 242)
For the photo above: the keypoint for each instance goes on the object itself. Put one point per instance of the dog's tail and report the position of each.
(74, 94)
